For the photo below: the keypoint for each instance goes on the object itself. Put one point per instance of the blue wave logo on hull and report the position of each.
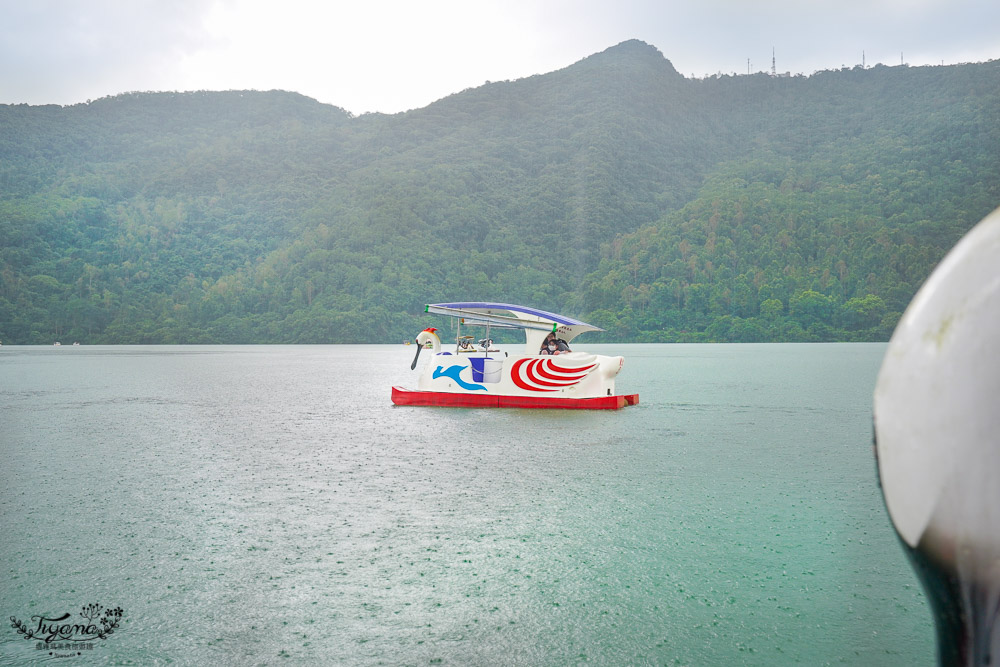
(452, 372)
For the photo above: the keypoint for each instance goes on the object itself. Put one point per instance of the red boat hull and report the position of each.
(401, 396)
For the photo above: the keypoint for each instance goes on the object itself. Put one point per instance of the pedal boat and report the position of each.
(477, 374)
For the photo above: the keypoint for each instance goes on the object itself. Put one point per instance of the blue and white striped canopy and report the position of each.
(512, 316)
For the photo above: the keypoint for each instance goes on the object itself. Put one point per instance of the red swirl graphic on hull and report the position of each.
(546, 375)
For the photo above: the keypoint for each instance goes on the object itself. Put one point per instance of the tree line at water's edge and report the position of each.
(733, 208)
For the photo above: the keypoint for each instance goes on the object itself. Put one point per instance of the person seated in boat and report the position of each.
(553, 345)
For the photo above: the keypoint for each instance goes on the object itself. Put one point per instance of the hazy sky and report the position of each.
(389, 55)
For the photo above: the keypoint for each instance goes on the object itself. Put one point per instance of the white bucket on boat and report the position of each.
(492, 370)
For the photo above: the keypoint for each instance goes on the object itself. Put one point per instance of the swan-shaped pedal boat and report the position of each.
(478, 375)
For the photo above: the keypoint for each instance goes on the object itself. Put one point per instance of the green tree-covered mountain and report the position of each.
(737, 208)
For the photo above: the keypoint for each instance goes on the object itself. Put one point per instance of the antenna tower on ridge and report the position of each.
(774, 70)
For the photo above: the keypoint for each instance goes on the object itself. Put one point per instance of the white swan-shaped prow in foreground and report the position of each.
(937, 430)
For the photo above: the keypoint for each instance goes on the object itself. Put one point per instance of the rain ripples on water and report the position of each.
(248, 504)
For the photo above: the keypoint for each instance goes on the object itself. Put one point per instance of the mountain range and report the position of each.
(661, 208)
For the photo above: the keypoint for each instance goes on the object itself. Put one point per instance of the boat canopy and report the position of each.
(536, 323)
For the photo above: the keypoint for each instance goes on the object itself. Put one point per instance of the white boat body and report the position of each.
(492, 376)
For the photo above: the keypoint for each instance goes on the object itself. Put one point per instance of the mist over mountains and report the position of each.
(733, 208)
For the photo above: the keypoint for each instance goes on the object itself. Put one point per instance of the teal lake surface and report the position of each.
(268, 505)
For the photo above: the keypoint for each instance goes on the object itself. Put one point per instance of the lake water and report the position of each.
(269, 505)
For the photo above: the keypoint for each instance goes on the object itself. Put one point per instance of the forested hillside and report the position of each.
(734, 208)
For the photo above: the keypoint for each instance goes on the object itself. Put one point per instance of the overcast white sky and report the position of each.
(390, 56)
